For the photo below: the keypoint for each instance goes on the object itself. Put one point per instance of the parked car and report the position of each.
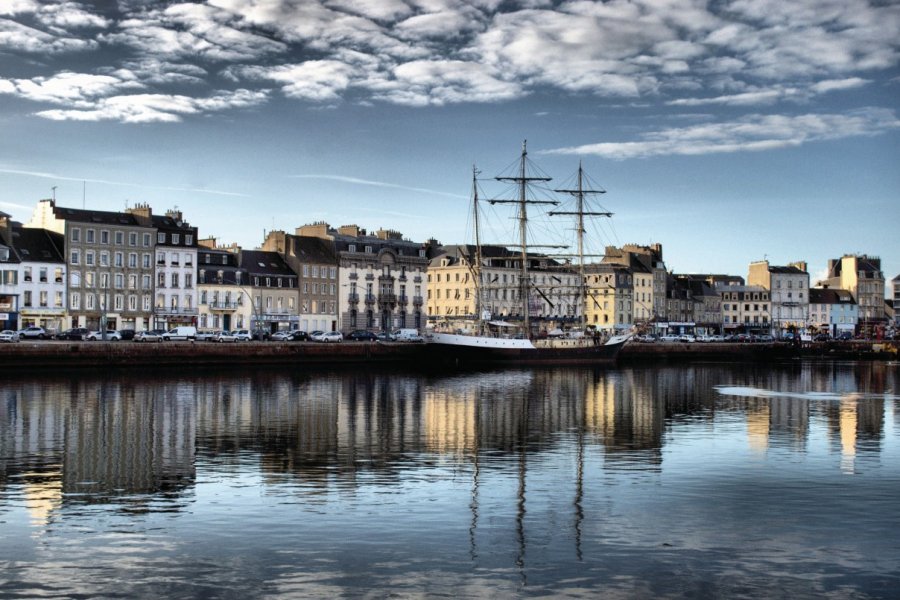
(33, 333)
(76, 333)
(127, 334)
(314, 335)
(180, 333)
(412, 335)
(384, 336)
(206, 336)
(361, 335)
(670, 338)
(242, 335)
(298, 336)
(150, 335)
(111, 336)
(687, 338)
(223, 336)
(332, 336)
(9, 336)
(261, 335)
(822, 337)
(280, 336)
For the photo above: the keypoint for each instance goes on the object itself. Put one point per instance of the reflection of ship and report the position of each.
(492, 342)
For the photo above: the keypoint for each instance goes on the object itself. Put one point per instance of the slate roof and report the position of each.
(38, 245)
(786, 270)
(100, 217)
(313, 249)
(830, 296)
(263, 262)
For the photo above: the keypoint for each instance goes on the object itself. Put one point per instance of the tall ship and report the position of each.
(498, 341)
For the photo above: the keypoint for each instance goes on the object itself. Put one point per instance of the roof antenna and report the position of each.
(83, 193)
(53, 190)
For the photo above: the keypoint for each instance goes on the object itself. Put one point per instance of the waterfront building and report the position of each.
(9, 276)
(223, 302)
(451, 302)
(834, 312)
(314, 260)
(860, 275)
(649, 278)
(380, 277)
(698, 294)
(610, 296)
(272, 285)
(896, 297)
(109, 264)
(789, 292)
(745, 309)
(42, 277)
(175, 267)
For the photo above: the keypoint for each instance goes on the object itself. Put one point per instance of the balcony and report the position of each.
(162, 310)
(417, 300)
(223, 305)
(387, 299)
(353, 276)
(403, 299)
(370, 298)
(353, 298)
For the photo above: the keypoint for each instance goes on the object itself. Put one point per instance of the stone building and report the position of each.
(745, 309)
(380, 278)
(860, 275)
(109, 262)
(789, 293)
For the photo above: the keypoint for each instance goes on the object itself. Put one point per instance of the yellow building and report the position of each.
(610, 296)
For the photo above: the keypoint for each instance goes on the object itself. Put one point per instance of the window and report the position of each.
(160, 258)
(368, 249)
(352, 248)
(27, 274)
(176, 238)
(119, 302)
(89, 236)
(132, 260)
(104, 258)
(188, 240)
(75, 279)
(132, 239)
(89, 301)
(119, 281)
(89, 258)
(174, 280)
(145, 260)
(132, 282)
(26, 300)
(160, 237)
(75, 301)
(58, 301)
(146, 302)
(76, 234)
(120, 259)
(120, 237)
(188, 280)
(146, 242)
(104, 236)
(132, 302)
(145, 282)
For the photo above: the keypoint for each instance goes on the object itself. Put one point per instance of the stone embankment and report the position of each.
(101, 355)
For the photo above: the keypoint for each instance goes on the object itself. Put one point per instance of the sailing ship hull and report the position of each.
(472, 351)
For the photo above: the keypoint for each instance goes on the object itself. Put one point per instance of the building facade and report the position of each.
(175, 265)
(789, 293)
(223, 303)
(9, 276)
(109, 262)
(610, 296)
(834, 312)
(861, 275)
(649, 278)
(381, 278)
(42, 278)
(745, 309)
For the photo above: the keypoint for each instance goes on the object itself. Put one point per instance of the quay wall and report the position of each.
(102, 355)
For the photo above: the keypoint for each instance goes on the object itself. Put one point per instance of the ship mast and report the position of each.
(579, 194)
(522, 181)
(476, 268)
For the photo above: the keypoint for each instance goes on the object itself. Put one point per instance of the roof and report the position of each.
(830, 296)
(791, 270)
(313, 249)
(100, 217)
(263, 262)
(38, 245)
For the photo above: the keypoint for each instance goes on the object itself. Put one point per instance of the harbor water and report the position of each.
(688, 481)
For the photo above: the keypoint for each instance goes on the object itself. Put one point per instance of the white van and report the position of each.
(407, 335)
(180, 333)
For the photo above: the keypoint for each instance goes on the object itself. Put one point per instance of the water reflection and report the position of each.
(527, 470)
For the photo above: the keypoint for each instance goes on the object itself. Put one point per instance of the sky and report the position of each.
(729, 131)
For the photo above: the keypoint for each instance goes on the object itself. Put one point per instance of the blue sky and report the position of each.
(728, 130)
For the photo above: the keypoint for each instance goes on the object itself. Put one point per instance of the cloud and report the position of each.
(370, 182)
(21, 38)
(155, 108)
(45, 175)
(316, 80)
(192, 30)
(77, 89)
(750, 133)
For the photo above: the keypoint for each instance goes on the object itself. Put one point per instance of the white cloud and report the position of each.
(21, 38)
(751, 133)
(317, 80)
(155, 108)
(71, 88)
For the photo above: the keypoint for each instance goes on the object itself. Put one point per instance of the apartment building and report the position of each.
(788, 288)
(745, 309)
(610, 296)
(110, 269)
(860, 275)
(42, 277)
(834, 312)
(380, 278)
